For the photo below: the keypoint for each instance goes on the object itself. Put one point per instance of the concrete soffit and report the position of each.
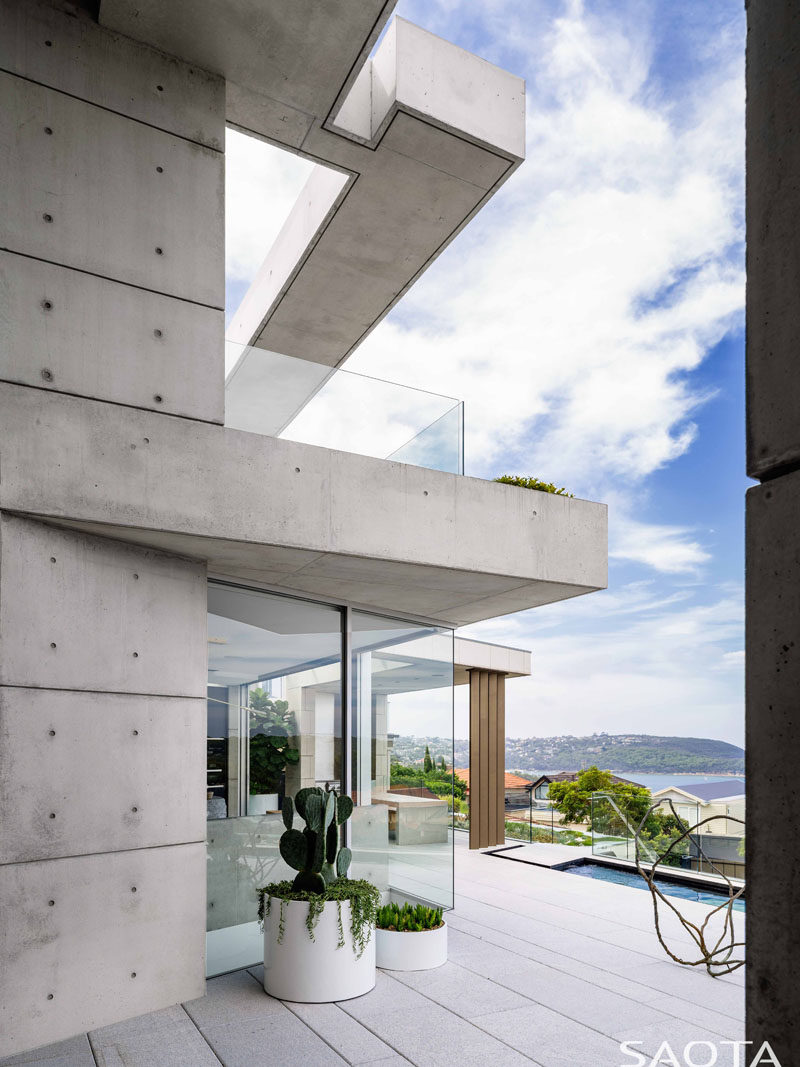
(410, 144)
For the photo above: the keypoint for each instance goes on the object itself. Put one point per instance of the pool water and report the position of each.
(669, 889)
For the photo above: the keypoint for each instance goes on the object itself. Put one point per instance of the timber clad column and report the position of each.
(487, 758)
(773, 524)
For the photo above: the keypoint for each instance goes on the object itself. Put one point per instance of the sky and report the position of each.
(604, 283)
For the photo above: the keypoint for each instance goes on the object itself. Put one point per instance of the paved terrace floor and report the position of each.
(544, 968)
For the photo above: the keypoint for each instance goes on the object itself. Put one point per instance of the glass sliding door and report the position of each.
(274, 726)
(402, 757)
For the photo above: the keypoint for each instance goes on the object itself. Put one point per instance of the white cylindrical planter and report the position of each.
(318, 971)
(261, 803)
(406, 951)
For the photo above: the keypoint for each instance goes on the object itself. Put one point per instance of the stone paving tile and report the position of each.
(168, 1038)
(461, 991)
(74, 1052)
(278, 1040)
(165, 1019)
(679, 1006)
(178, 1047)
(672, 978)
(550, 1038)
(232, 998)
(588, 1004)
(343, 1033)
(393, 1061)
(426, 1033)
(560, 960)
(552, 938)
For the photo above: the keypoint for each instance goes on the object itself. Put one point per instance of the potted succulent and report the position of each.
(410, 937)
(271, 750)
(319, 942)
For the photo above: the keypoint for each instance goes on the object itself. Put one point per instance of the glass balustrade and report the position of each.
(298, 400)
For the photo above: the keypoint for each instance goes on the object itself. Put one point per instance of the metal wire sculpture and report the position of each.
(717, 956)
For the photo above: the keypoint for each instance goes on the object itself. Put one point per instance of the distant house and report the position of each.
(541, 787)
(720, 840)
(516, 788)
(707, 799)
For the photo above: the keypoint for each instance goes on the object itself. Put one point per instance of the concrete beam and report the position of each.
(481, 655)
(287, 65)
(444, 130)
(383, 534)
(418, 139)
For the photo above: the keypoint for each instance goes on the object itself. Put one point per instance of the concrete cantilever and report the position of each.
(385, 535)
(419, 138)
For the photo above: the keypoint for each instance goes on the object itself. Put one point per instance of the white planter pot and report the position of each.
(261, 803)
(405, 951)
(318, 971)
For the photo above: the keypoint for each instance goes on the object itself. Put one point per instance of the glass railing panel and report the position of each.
(439, 447)
(298, 400)
(616, 821)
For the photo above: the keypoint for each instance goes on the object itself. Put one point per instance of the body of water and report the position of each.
(669, 889)
(654, 782)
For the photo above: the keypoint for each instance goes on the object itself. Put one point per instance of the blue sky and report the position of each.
(605, 282)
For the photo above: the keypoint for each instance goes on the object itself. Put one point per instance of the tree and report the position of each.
(574, 799)
(442, 764)
(271, 750)
(427, 763)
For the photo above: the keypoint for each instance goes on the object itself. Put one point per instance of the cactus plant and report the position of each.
(314, 851)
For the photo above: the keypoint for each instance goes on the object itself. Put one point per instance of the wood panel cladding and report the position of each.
(487, 726)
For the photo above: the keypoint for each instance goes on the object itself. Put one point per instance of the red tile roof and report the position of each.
(513, 781)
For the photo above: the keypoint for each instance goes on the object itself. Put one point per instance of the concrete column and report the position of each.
(773, 522)
(487, 740)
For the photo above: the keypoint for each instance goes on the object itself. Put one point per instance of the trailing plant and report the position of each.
(364, 900)
(407, 918)
(271, 749)
(533, 483)
(314, 852)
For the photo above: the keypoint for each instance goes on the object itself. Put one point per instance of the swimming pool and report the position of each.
(667, 887)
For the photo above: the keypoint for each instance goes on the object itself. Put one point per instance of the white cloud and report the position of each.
(627, 661)
(542, 313)
(669, 549)
(261, 186)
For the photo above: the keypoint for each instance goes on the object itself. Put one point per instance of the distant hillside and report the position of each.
(618, 752)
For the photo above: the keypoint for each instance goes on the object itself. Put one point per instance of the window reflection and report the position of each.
(274, 726)
(402, 691)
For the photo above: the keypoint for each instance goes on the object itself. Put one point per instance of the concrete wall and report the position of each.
(111, 289)
(773, 521)
(112, 282)
(102, 781)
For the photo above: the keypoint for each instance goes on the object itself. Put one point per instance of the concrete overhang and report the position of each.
(411, 144)
(383, 535)
(469, 654)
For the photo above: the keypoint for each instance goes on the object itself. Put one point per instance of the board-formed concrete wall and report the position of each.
(773, 522)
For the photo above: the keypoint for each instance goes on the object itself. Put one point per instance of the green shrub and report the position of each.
(407, 918)
(364, 901)
(533, 483)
